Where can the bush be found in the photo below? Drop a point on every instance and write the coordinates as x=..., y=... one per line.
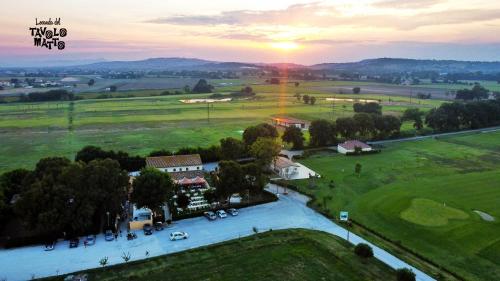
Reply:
x=405, y=274
x=363, y=250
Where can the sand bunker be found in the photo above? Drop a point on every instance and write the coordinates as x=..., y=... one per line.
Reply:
x=350, y=100
x=485, y=216
x=205, y=100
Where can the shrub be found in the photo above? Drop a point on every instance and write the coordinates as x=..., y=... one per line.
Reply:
x=405, y=274
x=363, y=250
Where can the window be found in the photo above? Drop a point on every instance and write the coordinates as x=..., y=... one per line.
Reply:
x=186, y=169
x=197, y=168
x=174, y=169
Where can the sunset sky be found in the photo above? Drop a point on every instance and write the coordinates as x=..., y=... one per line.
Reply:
x=304, y=32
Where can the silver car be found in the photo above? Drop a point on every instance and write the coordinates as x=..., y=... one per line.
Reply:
x=178, y=235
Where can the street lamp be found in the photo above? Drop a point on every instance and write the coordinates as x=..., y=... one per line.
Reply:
x=107, y=213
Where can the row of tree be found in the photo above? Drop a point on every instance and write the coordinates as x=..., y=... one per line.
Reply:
x=457, y=115
x=63, y=198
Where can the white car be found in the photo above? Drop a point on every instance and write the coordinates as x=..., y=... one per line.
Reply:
x=221, y=214
x=178, y=235
x=233, y=212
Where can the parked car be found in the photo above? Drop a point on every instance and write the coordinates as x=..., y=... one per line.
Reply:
x=210, y=215
x=158, y=226
x=221, y=214
x=233, y=212
x=148, y=229
x=108, y=235
x=178, y=235
x=50, y=246
x=89, y=240
x=73, y=243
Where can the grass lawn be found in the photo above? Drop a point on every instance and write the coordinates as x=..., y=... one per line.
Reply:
x=423, y=194
x=30, y=131
x=276, y=255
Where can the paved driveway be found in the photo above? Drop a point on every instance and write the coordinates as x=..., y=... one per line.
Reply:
x=289, y=212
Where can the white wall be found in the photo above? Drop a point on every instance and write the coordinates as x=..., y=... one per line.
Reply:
x=182, y=168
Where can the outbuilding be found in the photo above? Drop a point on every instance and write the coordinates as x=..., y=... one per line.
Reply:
x=351, y=145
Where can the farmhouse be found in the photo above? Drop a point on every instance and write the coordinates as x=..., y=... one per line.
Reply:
x=187, y=172
x=350, y=146
x=284, y=167
x=290, y=122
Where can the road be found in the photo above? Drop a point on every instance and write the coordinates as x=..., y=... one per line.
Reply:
x=483, y=130
x=290, y=211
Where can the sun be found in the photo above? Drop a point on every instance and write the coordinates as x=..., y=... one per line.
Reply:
x=285, y=45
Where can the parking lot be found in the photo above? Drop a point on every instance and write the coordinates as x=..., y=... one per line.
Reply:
x=288, y=212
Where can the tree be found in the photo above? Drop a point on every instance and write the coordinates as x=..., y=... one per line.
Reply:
x=182, y=200
x=255, y=180
x=112, y=88
x=297, y=96
x=229, y=179
x=371, y=107
x=356, y=90
x=477, y=92
x=363, y=250
x=109, y=182
x=91, y=82
x=161, y=152
x=357, y=169
x=305, y=98
x=210, y=195
x=386, y=125
x=265, y=150
x=202, y=87
x=247, y=90
x=187, y=89
x=231, y=149
x=263, y=130
x=364, y=124
x=415, y=115
x=297, y=83
x=312, y=100
x=294, y=135
x=346, y=126
x=151, y=189
x=13, y=182
x=322, y=132
x=405, y=274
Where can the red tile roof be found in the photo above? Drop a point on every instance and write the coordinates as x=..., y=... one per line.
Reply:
x=173, y=161
x=289, y=120
x=351, y=144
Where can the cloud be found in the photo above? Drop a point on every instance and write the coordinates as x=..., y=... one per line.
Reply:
x=293, y=15
x=407, y=4
x=318, y=15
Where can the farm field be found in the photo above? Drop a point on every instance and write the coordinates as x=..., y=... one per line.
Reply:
x=138, y=125
x=423, y=194
x=277, y=255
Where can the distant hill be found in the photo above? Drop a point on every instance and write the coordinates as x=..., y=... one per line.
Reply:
x=165, y=64
x=392, y=65
x=368, y=66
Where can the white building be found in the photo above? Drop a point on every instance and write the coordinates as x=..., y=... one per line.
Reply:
x=284, y=167
x=350, y=146
x=176, y=163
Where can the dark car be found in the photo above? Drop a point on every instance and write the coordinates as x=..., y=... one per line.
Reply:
x=50, y=246
x=148, y=229
x=108, y=235
x=73, y=243
x=158, y=226
x=210, y=215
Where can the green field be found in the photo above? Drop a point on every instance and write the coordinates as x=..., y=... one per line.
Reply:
x=30, y=131
x=423, y=194
x=277, y=255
